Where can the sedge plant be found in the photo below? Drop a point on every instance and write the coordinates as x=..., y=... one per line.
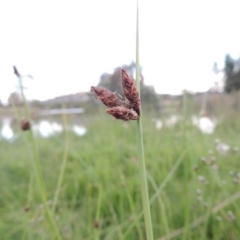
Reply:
x=131, y=111
x=142, y=164
x=34, y=157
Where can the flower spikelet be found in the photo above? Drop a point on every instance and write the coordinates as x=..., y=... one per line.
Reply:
x=123, y=113
x=130, y=91
x=118, y=108
x=107, y=97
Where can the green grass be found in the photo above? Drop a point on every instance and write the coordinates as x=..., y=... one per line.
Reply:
x=100, y=183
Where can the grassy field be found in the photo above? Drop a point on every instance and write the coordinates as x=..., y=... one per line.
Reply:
x=91, y=184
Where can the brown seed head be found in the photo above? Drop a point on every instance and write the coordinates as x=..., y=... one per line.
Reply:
x=130, y=92
x=117, y=108
x=107, y=97
x=26, y=209
x=123, y=113
x=25, y=125
x=96, y=224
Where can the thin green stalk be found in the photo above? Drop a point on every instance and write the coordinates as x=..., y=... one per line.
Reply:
x=158, y=191
x=89, y=210
x=142, y=165
x=34, y=157
x=202, y=218
x=29, y=200
x=63, y=165
x=133, y=209
x=116, y=221
x=161, y=204
x=26, y=107
x=97, y=217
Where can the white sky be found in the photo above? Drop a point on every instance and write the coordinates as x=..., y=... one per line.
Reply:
x=67, y=45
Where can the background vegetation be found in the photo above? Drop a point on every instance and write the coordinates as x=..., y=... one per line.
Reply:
x=193, y=185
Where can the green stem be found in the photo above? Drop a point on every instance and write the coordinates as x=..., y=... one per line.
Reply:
x=35, y=161
x=159, y=190
x=97, y=217
x=63, y=165
x=142, y=165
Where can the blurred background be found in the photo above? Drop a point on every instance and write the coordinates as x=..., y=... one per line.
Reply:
x=62, y=48
x=190, y=96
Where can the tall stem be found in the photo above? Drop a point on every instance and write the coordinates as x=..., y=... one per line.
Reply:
x=35, y=161
x=142, y=165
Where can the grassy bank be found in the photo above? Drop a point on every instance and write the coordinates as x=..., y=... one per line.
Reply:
x=100, y=196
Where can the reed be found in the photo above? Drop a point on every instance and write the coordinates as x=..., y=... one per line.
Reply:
x=32, y=149
x=141, y=154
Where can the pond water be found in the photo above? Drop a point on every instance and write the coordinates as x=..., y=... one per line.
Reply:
x=49, y=123
x=205, y=124
x=46, y=125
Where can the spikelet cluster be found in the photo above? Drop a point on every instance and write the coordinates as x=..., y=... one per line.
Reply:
x=116, y=107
